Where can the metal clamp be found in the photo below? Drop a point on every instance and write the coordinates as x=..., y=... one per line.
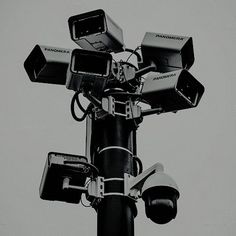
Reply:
x=108, y=105
x=132, y=111
x=97, y=187
x=127, y=109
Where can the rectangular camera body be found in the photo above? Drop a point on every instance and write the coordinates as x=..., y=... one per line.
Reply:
x=167, y=52
x=88, y=71
x=56, y=170
x=48, y=64
x=95, y=30
x=172, y=91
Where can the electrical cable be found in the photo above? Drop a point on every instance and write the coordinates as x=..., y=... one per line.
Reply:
x=134, y=52
x=78, y=102
x=140, y=164
x=75, y=98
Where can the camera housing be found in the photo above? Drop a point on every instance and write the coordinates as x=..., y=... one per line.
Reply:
x=168, y=52
x=46, y=64
x=172, y=91
x=160, y=194
x=95, y=30
x=58, y=167
x=82, y=76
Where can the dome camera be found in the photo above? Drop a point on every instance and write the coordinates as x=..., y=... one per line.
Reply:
x=160, y=194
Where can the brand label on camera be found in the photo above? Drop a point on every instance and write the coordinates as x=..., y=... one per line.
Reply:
x=169, y=37
x=56, y=50
x=165, y=76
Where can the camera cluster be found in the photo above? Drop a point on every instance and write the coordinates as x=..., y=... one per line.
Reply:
x=92, y=69
x=160, y=79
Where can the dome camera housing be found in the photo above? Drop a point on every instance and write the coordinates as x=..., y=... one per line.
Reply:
x=160, y=194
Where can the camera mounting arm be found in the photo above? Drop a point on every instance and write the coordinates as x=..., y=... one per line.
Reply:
x=133, y=185
x=66, y=186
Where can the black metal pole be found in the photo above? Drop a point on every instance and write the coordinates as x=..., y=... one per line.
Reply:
x=115, y=139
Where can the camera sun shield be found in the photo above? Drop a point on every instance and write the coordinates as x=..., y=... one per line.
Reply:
x=48, y=64
x=88, y=71
x=167, y=52
x=95, y=30
x=172, y=91
x=58, y=167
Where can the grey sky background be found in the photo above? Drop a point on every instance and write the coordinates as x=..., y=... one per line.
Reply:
x=196, y=146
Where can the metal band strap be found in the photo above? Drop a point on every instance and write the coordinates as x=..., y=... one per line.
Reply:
x=113, y=179
x=115, y=147
x=113, y=193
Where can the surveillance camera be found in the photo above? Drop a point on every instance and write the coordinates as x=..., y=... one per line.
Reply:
x=172, y=91
x=58, y=167
x=160, y=194
x=88, y=71
x=95, y=30
x=167, y=52
x=48, y=64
